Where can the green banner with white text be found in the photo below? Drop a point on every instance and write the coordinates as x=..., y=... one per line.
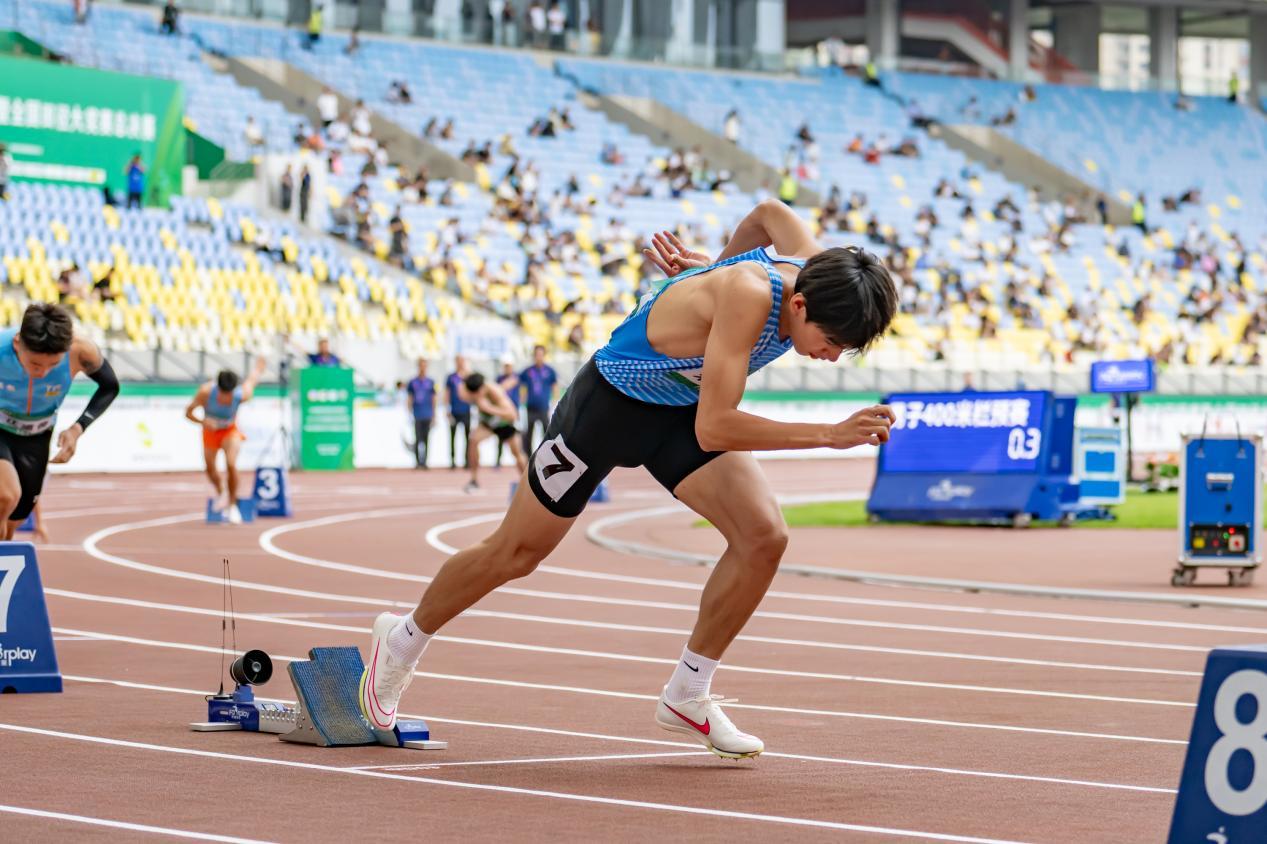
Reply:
x=324, y=406
x=72, y=125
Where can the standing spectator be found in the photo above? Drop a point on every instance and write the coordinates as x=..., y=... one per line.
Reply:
x=1139, y=214
x=1233, y=88
x=593, y=37
x=305, y=193
x=537, y=24
x=730, y=128
x=539, y=382
x=81, y=10
x=509, y=382
x=422, y=400
x=497, y=17
x=327, y=107
x=398, y=252
x=136, y=181
x=360, y=119
x=314, y=24
x=459, y=411
x=170, y=24
x=323, y=356
x=287, y=190
x=788, y=188
x=1102, y=208
x=252, y=133
x=354, y=42
x=5, y=162
x=557, y=21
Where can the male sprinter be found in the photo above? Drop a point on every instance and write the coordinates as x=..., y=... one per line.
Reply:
x=664, y=393
x=38, y=361
x=220, y=400
x=497, y=418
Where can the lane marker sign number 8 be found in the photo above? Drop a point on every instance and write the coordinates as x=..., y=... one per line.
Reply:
x=1237, y=735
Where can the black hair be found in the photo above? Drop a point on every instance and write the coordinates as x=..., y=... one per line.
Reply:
x=474, y=381
x=227, y=380
x=538, y=346
x=47, y=329
x=849, y=294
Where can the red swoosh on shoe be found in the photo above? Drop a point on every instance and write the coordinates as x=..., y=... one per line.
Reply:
x=703, y=728
x=374, y=695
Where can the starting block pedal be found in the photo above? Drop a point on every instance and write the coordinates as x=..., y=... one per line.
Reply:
x=217, y=516
x=327, y=712
x=28, y=524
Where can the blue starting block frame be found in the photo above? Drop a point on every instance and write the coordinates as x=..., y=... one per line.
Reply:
x=327, y=712
x=1223, y=789
x=28, y=660
x=28, y=524
x=272, y=493
x=246, y=506
x=1220, y=507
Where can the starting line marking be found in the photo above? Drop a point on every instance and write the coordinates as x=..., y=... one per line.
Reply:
x=541, y=760
x=506, y=789
x=128, y=684
x=833, y=713
x=131, y=827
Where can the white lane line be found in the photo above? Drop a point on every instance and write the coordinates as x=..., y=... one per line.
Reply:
x=434, y=534
x=503, y=789
x=130, y=827
x=538, y=761
x=91, y=546
x=519, y=684
x=607, y=737
x=593, y=654
x=267, y=543
x=594, y=532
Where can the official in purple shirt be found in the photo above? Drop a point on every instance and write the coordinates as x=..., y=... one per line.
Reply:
x=422, y=400
x=538, y=383
x=459, y=411
x=323, y=356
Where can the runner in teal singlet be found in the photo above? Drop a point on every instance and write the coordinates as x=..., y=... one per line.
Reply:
x=38, y=361
x=664, y=394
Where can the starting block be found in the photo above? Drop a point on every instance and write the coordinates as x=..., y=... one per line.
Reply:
x=28, y=525
x=216, y=516
x=1223, y=789
x=327, y=712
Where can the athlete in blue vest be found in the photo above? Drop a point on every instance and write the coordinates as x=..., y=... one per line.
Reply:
x=664, y=393
x=38, y=360
x=220, y=400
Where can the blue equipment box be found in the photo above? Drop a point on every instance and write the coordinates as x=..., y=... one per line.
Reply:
x=1220, y=506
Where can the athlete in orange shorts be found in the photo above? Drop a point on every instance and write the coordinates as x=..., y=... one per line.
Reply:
x=220, y=400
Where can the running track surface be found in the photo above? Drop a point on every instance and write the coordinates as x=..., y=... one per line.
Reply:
x=888, y=713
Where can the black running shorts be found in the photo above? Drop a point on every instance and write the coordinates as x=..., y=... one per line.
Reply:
x=596, y=428
x=29, y=455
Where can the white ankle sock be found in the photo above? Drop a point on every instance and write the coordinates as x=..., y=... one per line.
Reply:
x=406, y=642
x=692, y=678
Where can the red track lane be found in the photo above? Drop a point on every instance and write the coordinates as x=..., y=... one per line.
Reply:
x=888, y=713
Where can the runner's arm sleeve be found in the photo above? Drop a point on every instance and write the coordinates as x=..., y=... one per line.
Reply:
x=107, y=390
